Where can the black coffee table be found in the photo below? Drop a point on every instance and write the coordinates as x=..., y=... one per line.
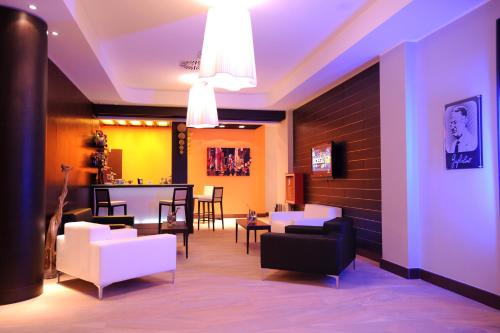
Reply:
x=257, y=225
x=179, y=227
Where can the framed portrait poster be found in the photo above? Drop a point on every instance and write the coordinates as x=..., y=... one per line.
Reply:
x=463, y=136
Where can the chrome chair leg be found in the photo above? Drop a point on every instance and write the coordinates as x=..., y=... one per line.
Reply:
x=173, y=276
x=100, y=291
x=337, y=280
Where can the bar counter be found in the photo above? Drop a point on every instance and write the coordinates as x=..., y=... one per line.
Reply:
x=143, y=201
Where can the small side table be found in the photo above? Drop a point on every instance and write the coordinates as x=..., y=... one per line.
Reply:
x=257, y=225
x=179, y=227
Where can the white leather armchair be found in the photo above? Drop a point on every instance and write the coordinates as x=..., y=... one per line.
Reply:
x=94, y=253
x=312, y=215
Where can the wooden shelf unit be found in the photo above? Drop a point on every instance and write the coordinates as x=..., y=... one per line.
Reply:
x=294, y=188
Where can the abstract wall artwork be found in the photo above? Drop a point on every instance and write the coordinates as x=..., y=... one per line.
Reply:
x=228, y=161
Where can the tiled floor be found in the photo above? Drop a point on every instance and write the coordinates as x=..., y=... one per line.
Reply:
x=221, y=289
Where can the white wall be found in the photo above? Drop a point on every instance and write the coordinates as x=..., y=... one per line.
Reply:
x=455, y=211
x=277, y=162
x=399, y=179
x=460, y=222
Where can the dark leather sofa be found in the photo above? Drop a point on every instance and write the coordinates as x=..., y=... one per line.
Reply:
x=324, y=250
x=85, y=214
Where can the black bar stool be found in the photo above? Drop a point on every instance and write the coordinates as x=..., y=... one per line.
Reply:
x=179, y=198
x=102, y=200
x=210, y=203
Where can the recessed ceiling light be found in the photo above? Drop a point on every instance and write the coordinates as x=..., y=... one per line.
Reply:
x=55, y=33
x=222, y=126
x=149, y=123
x=241, y=126
x=135, y=122
x=162, y=123
x=122, y=122
x=32, y=7
x=108, y=121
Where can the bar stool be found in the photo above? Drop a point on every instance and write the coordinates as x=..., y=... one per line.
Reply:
x=102, y=200
x=210, y=202
x=208, y=190
x=207, y=194
x=179, y=198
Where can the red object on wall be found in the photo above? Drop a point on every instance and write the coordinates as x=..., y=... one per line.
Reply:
x=294, y=188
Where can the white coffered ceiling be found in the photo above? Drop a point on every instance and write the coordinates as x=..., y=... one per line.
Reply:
x=128, y=51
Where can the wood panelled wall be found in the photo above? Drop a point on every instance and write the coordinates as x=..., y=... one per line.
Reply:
x=70, y=125
x=348, y=114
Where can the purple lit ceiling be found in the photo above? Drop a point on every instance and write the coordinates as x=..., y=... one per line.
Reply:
x=128, y=51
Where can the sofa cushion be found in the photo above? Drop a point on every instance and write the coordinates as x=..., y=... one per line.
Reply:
x=321, y=211
x=313, y=215
x=304, y=230
x=338, y=225
x=315, y=221
x=86, y=232
x=123, y=233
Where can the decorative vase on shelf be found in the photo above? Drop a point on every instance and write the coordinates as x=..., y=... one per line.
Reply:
x=98, y=159
x=100, y=139
x=107, y=175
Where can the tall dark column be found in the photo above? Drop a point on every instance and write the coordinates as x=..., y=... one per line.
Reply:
x=180, y=166
x=179, y=153
x=23, y=76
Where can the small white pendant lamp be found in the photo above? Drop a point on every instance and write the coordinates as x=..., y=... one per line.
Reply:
x=227, y=57
x=202, y=109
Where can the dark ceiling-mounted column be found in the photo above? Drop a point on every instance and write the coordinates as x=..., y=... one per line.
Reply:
x=23, y=77
x=180, y=165
x=179, y=153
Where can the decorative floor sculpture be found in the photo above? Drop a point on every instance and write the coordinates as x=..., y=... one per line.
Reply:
x=50, y=271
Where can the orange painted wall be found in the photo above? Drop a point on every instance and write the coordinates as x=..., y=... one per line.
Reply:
x=240, y=192
x=147, y=151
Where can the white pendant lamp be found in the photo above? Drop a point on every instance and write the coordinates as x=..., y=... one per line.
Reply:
x=202, y=110
x=227, y=57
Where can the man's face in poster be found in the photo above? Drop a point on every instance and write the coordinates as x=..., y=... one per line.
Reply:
x=458, y=120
